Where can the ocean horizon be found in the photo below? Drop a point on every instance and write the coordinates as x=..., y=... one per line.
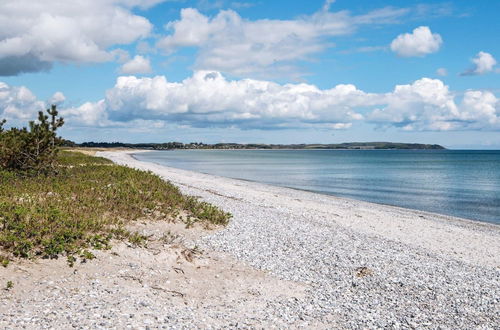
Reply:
x=460, y=183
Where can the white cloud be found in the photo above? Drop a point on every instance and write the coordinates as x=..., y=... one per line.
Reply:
x=418, y=43
x=143, y=47
x=263, y=48
x=34, y=34
x=137, y=65
x=57, y=99
x=121, y=55
x=88, y=114
x=442, y=72
x=428, y=104
x=14, y=65
x=425, y=104
x=483, y=63
x=481, y=106
x=18, y=103
x=208, y=99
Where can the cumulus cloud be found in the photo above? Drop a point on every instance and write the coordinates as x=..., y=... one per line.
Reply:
x=13, y=65
x=208, y=99
x=482, y=107
x=231, y=44
x=425, y=104
x=18, y=103
x=483, y=63
x=88, y=114
x=57, y=99
x=35, y=34
x=428, y=104
x=137, y=65
x=418, y=43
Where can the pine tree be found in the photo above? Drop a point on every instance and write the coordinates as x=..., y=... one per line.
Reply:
x=32, y=150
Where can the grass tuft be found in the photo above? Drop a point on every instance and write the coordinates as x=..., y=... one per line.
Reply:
x=86, y=205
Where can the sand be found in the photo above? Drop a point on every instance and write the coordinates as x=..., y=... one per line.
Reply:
x=288, y=258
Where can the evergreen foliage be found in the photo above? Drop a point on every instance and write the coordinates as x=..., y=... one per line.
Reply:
x=33, y=149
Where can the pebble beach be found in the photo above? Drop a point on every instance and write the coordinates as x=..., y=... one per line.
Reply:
x=367, y=265
x=288, y=259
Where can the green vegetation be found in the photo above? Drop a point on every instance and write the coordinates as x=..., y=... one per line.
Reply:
x=54, y=203
x=31, y=150
x=4, y=261
x=85, y=205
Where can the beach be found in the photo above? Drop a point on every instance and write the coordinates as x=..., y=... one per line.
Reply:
x=424, y=269
x=210, y=164
x=288, y=258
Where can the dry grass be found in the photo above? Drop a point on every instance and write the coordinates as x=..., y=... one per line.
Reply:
x=89, y=202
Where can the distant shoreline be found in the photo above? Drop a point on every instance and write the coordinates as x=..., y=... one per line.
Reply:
x=409, y=179
x=262, y=146
x=284, y=149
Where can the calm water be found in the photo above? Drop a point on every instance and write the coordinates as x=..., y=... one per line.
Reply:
x=463, y=183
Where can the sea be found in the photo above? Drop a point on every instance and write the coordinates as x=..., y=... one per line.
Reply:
x=461, y=183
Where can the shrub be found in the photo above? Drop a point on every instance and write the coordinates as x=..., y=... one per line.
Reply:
x=85, y=205
x=32, y=149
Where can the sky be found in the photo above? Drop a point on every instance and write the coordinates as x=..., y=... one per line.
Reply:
x=256, y=71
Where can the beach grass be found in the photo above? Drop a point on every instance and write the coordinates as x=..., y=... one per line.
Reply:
x=87, y=204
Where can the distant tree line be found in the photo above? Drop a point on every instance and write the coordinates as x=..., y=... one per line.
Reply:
x=200, y=145
x=33, y=149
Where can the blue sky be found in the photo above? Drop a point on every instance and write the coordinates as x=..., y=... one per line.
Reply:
x=256, y=71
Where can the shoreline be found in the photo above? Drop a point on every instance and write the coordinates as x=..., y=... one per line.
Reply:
x=423, y=212
x=363, y=264
x=402, y=228
x=409, y=202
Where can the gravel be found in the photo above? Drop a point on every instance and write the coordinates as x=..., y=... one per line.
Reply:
x=403, y=287
x=360, y=265
x=295, y=236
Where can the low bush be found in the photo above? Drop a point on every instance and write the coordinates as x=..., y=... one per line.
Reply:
x=85, y=205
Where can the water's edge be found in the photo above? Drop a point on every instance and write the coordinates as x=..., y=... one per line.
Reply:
x=461, y=221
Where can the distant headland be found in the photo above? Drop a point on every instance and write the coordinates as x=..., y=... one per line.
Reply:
x=200, y=145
